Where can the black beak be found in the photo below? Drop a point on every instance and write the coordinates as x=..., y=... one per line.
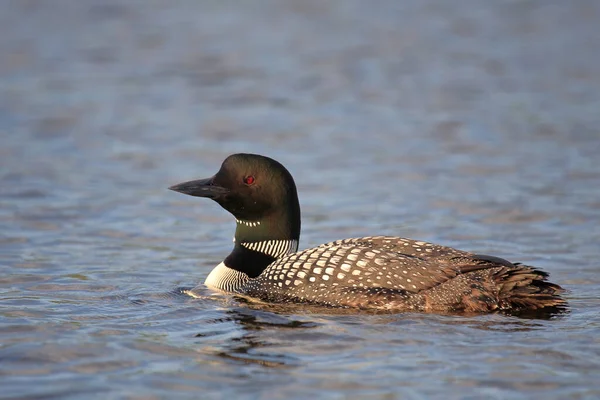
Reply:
x=201, y=188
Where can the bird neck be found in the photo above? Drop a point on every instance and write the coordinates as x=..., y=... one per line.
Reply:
x=259, y=243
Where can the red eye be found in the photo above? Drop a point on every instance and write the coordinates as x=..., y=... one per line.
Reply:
x=249, y=180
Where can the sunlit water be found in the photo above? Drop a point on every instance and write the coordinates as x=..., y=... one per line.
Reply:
x=470, y=124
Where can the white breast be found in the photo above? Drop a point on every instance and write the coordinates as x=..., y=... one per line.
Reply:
x=224, y=278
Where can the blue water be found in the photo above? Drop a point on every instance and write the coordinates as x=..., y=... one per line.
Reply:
x=470, y=124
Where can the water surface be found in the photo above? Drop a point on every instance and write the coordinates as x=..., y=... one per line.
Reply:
x=470, y=124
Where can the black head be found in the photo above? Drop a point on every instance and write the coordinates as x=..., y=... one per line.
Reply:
x=253, y=188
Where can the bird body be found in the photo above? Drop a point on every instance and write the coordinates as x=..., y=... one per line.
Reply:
x=369, y=273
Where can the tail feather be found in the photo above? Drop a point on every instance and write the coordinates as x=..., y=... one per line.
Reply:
x=526, y=288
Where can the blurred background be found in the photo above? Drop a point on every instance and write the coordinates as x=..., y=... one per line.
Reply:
x=467, y=123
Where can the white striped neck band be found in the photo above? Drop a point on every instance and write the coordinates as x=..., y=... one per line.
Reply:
x=274, y=248
x=248, y=223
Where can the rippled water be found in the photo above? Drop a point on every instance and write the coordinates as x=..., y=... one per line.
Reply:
x=470, y=124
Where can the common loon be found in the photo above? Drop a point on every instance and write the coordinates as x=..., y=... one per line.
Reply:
x=369, y=273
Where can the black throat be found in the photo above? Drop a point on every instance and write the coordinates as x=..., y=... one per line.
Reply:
x=248, y=261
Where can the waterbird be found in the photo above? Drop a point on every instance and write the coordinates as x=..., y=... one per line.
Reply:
x=367, y=273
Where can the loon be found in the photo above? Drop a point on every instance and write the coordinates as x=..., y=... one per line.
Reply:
x=368, y=273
